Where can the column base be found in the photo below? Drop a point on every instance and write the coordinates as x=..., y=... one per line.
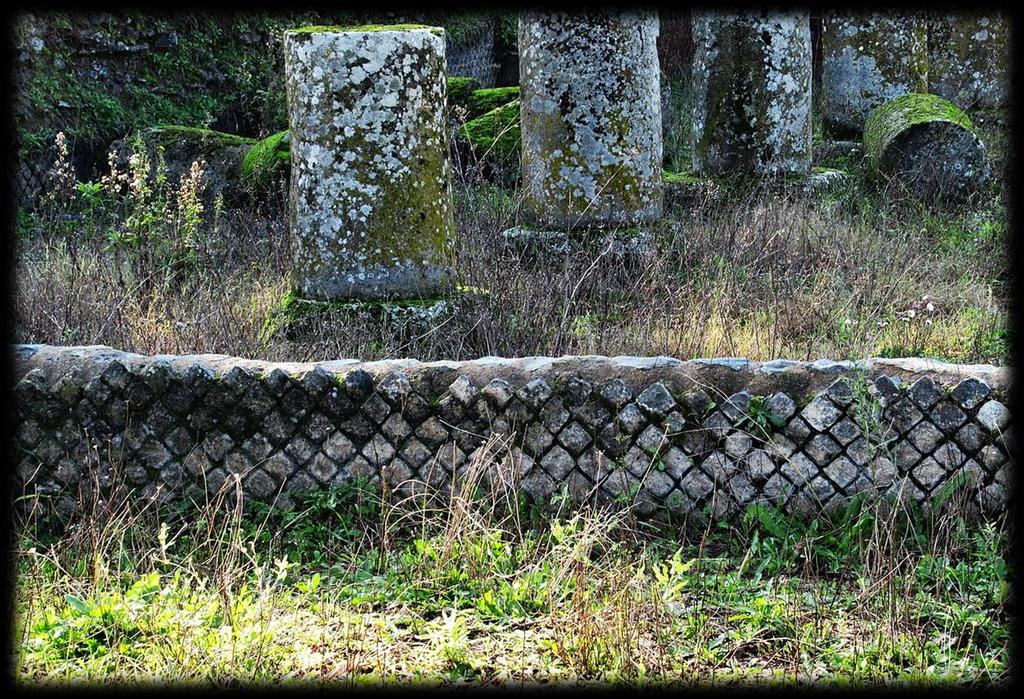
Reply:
x=623, y=244
x=683, y=190
x=821, y=180
x=295, y=316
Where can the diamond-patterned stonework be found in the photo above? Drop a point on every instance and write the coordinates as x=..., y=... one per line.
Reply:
x=700, y=436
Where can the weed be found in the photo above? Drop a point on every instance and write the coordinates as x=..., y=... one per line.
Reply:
x=463, y=585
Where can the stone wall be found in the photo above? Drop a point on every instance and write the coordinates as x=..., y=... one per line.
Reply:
x=473, y=55
x=97, y=76
x=695, y=437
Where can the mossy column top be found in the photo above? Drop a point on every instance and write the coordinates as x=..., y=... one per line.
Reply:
x=867, y=60
x=751, y=93
x=928, y=147
x=371, y=212
x=969, y=58
x=590, y=118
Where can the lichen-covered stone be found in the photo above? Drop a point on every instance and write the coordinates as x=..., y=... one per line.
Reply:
x=751, y=93
x=928, y=147
x=591, y=117
x=969, y=58
x=868, y=59
x=371, y=212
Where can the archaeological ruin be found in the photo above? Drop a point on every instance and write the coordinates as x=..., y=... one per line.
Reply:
x=371, y=179
x=868, y=60
x=969, y=58
x=371, y=218
x=591, y=118
x=751, y=93
x=668, y=436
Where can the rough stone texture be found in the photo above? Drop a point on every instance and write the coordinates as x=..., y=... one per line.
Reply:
x=751, y=93
x=473, y=55
x=371, y=213
x=926, y=146
x=614, y=429
x=867, y=60
x=590, y=117
x=838, y=152
x=629, y=245
x=969, y=58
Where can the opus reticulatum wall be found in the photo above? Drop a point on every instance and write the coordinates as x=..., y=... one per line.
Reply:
x=705, y=437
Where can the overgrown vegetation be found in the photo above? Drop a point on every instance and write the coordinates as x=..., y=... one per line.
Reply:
x=98, y=77
x=753, y=271
x=356, y=587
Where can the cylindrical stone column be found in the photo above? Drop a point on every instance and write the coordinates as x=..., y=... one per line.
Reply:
x=371, y=213
x=590, y=109
x=867, y=60
x=927, y=146
x=969, y=58
x=751, y=93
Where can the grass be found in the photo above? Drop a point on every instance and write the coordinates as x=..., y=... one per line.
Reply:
x=354, y=587
x=754, y=272
x=471, y=585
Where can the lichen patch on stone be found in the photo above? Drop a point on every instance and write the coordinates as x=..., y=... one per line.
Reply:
x=591, y=117
x=371, y=208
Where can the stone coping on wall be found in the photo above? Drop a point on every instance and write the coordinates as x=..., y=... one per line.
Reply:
x=701, y=437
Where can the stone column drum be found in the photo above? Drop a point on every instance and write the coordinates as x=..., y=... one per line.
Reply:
x=928, y=146
x=591, y=118
x=969, y=58
x=371, y=212
x=867, y=60
x=751, y=93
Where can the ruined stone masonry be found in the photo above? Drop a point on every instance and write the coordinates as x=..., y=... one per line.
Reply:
x=371, y=212
x=867, y=60
x=690, y=437
x=751, y=93
x=969, y=58
x=590, y=114
x=926, y=146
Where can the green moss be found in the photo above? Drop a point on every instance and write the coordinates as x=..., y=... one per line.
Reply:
x=461, y=89
x=898, y=115
x=166, y=133
x=680, y=178
x=483, y=101
x=495, y=132
x=266, y=160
